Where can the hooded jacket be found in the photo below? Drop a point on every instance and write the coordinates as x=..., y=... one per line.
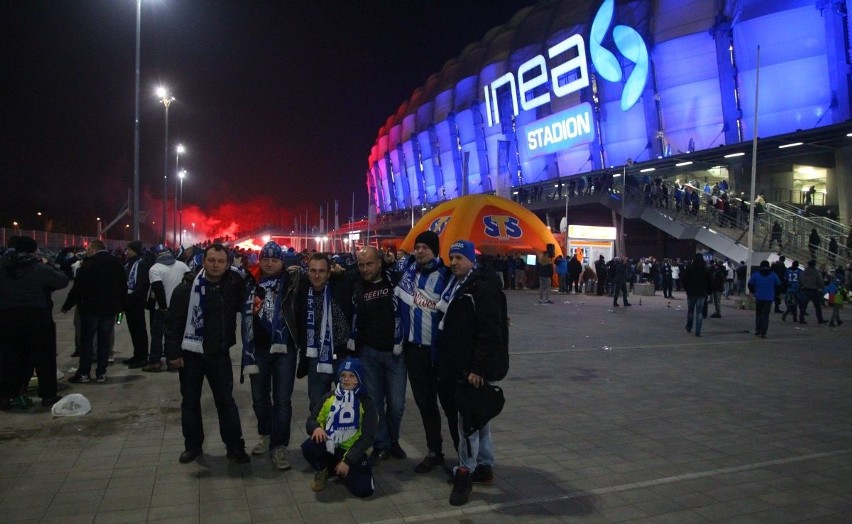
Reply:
x=764, y=284
x=26, y=283
x=99, y=287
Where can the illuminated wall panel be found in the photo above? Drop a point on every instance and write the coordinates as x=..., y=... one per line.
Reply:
x=428, y=168
x=449, y=156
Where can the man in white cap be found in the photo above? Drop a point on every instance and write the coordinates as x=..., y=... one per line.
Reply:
x=164, y=275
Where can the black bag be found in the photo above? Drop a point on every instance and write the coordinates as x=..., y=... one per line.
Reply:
x=478, y=405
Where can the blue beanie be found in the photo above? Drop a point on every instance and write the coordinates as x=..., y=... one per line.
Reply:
x=353, y=365
x=464, y=248
x=272, y=250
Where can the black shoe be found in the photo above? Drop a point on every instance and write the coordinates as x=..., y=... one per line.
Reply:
x=482, y=475
x=461, y=488
x=136, y=364
x=778, y=310
x=823, y=322
x=377, y=456
x=615, y=305
x=79, y=378
x=239, y=456
x=189, y=455
x=784, y=317
x=76, y=353
x=802, y=322
x=128, y=361
x=50, y=401
x=628, y=304
x=397, y=452
x=715, y=315
x=429, y=463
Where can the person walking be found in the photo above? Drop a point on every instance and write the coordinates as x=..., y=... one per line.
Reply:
x=544, y=270
x=200, y=330
x=600, y=271
x=474, y=354
x=270, y=349
x=696, y=279
x=813, y=243
x=811, y=285
x=619, y=279
x=765, y=285
x=27, y=329
x=98, y=292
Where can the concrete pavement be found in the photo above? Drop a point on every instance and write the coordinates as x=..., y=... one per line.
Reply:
x=612, y=415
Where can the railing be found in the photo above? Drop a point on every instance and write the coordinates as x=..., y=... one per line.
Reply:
x=56, y=241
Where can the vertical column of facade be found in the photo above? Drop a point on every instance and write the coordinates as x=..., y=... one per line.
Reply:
x=731, y=112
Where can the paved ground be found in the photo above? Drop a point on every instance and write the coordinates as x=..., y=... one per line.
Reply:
x=611, y=416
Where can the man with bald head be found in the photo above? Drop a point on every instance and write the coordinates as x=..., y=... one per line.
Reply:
x=377, y=337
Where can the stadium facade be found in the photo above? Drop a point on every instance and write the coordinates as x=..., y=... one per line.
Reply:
x=568, y=87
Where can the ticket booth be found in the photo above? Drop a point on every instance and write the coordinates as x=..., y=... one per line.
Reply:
x=589, y=242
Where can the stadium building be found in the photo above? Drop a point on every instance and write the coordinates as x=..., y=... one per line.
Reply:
x=673, y=89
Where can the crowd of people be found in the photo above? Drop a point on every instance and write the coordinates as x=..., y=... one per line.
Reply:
x=358, y=327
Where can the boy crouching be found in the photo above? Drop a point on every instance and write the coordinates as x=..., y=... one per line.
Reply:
x=342, y=427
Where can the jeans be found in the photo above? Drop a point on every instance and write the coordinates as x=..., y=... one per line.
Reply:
x=386, y=381
x=220, y=375
x=717, y=302
x=762, y=309
x=619, y=287
x=158, y=330
x=90, y=325
x=544, y=289
x=814, y=296
x=476, y=448
x=427, y=390
x=271, y=394
x=319, y=383
x=695, y=310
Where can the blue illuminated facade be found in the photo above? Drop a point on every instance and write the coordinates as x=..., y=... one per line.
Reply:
x=571, y=86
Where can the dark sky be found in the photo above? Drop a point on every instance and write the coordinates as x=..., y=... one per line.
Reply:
x=277, y=103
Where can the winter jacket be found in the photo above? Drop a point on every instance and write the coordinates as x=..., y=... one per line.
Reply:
x=99, y=287
x=764, y=284
x=26, y=283
x=696, y=280
x=475, y=333
x=356, y=447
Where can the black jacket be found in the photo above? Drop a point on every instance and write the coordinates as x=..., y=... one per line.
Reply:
x=696, y=280
x=26, y=283
x=139, y=296
x=99, y=287
x=475, y=336
x=233, y=296
x=341, y=293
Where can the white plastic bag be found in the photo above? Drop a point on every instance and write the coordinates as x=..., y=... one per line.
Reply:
x=72, y=406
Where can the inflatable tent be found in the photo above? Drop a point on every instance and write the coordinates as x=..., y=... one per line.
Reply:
x=494, y=224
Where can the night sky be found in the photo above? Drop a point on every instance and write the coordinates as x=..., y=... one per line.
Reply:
x=277, y=103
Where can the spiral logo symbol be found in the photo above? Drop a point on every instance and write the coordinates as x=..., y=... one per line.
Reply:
x=631, y=46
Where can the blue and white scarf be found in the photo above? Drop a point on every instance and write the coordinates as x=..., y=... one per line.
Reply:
x=344, y=417
x=131, y=276
x=320, y=341
x=193, y=331
x=449, y=295
x=269, y=313
x=407, y=287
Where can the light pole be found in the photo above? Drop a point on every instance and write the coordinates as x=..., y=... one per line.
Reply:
x=135, y=211
x=180, y=151
x=166, y=100
x=181, y=176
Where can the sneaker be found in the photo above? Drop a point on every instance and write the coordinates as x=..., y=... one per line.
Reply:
x=111, y=357
x=152, y=368
x=262, y=446
x=320, y=477
x=22, y=402
x=482, y=475
x=239, y=456
x=79, y=379
x=461, y=488
x=397, y=452
x=100, y=377
x=432, y=461
x=189, y=455
x=280, y=457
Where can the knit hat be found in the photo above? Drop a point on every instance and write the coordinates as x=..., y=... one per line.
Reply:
x=353, y=365
x=24, y=244
x=272, y=250
x=429, y=238
x=464, y=248
x=164, y=255
x=136, y=246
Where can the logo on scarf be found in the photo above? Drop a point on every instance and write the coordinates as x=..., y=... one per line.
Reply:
x=502, y=226
x=439, y=224
x=197, y=318
x=631, y=46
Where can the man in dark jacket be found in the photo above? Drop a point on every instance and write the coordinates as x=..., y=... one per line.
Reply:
x=696, y=280
x=135, y=300
x=575, y=268
x=600, y=271
x=811, y=285
x=98, y=292
x=619, y=279
x=27, y=330
x=474, y=350
x=200, y=330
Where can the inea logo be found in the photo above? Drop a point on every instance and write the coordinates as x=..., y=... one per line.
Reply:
x=632, y=47
x=439, y=224
x=502, y=226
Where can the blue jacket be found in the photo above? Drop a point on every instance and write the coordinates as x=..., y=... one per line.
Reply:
x=764, y=284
